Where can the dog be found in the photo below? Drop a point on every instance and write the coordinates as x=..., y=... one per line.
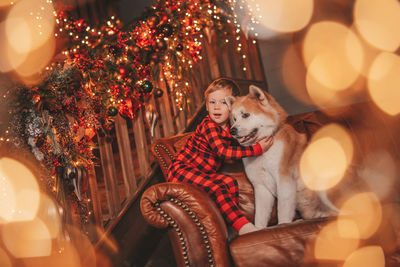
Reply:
x=275, y=173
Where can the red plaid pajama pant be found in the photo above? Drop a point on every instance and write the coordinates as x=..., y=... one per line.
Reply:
x=223, y=189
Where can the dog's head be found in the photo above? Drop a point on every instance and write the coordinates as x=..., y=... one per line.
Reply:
x=254, y=116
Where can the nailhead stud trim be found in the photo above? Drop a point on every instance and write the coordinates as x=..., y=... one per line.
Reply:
x=200, y=226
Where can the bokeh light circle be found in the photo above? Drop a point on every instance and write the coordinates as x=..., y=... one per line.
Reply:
x=330, y=245
x=377, y=21
x=384, y=82
x=22, y=195
x=333, y=54
x=365, y=210
x=27, y=239
x=30, y=24
x=282, y=15
x=371, y=256
x=326, y=158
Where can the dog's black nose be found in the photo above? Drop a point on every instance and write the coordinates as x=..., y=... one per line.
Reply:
x=233, y=131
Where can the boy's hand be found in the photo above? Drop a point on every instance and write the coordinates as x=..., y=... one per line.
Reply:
x=266, y=143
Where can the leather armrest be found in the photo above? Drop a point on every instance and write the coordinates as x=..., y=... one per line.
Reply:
x=165, y=148
x=197, y=230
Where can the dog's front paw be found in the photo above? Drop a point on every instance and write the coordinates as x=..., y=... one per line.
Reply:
x=260, y=227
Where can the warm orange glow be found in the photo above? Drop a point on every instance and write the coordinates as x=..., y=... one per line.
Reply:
x=370, y=52
x=318, y=171
x=85, y=249
x=294, y=74
x=108, y=241
x=30, y=24
x=27, y=239
x=371, y=256
x=377, y=21
x=366, y=212
x=4, y=259
x=326, y=158
x=379, y=171
x=333, y=54
x=384, y=82
x=20, y=37
x=283, y=15
x=348, y=228
x=320, y=95
x=7, y=199
x=10, y=58
x=49, y=213
x=63, y=255
x=21, y=196
x=330, y=245
x=37, y=59
x=6, y=3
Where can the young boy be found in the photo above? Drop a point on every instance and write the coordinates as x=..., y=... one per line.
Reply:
x=201, y=157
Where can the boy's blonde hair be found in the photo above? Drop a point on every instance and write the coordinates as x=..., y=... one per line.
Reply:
x=222, y=83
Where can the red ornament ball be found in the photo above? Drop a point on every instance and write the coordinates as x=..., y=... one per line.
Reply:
x=158, y=93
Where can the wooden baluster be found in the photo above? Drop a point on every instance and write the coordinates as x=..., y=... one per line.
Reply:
x=236, y=58
x=196, y=86
x=95, y=13
x=110, y=178
x=142, y=151
x=205, y=71
x=83, y=11
x=246, y=61
x=226, y=61
x=177, y=118
x=258, y=71
x=94, y=198
x=212, y=55
x=165, y=109
x=125, y=154
x=157, y=131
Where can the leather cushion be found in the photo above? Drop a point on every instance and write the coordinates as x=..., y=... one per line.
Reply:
x=281, y=245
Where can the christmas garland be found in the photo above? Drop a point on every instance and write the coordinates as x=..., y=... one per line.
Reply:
x=105, y=72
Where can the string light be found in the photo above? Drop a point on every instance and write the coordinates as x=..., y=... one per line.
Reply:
x=183, y=46
x=249, y=29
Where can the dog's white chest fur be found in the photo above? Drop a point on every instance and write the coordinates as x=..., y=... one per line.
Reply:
x=264, y=169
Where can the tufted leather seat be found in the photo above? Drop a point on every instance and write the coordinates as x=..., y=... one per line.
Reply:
x=198, y=234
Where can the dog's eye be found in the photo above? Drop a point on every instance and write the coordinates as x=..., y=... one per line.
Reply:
x=234, y=119
x=245, y=115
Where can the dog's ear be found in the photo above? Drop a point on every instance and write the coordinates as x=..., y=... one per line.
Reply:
x=256, y=92
x=229, y=101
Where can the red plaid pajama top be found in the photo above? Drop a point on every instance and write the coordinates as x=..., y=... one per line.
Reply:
x=200, y=159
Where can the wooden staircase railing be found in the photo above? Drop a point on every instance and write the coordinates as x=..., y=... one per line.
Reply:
x=125, y=160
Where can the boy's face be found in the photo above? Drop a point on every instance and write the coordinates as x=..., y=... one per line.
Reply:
x=217, y=107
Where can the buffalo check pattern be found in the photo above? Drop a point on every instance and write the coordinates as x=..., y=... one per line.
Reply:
x=200, y=159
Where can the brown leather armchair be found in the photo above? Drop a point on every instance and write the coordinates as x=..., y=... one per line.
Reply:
x=199, y=235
